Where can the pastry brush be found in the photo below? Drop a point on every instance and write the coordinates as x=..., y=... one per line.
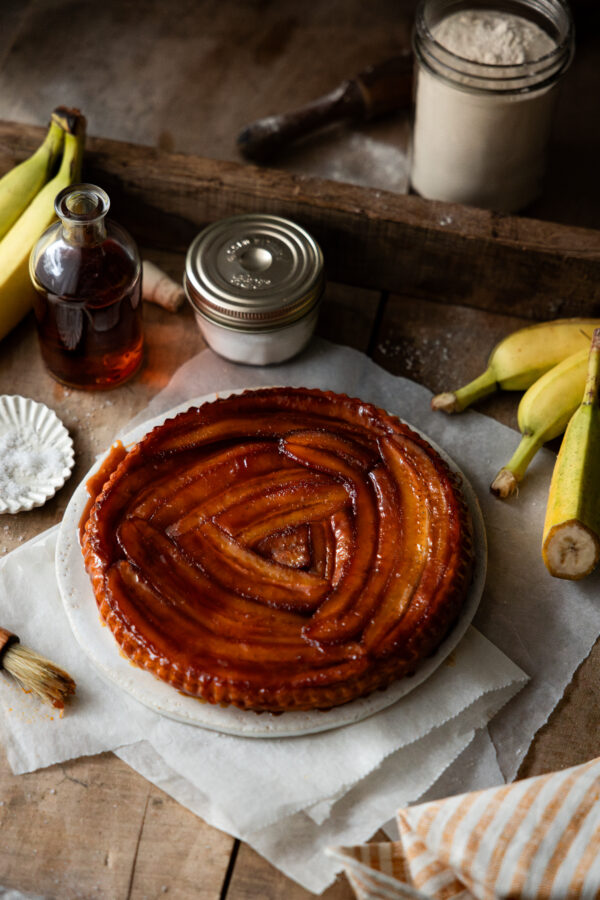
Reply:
x=33, y=672
x=380, y=89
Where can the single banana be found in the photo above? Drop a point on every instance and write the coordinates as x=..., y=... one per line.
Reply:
x=544, y=412
x=19, y=186
x=16, y=290
x=571, y=540
x=520, y=359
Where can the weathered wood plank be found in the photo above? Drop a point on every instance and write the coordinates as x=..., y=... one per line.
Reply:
x=374, y=239
x=95, y=828
x=253, y=877
x=348, y=316
x=443, y=347
x=378, y=240
x=256, y=879
x=190, y=75
x=572, y=733
x=178, y=855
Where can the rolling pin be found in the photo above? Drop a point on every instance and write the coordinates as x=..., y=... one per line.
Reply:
x=378, y=90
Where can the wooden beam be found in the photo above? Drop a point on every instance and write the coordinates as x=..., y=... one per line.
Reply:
x=375, y=239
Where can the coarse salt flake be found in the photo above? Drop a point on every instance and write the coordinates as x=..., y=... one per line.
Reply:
x=27, y=462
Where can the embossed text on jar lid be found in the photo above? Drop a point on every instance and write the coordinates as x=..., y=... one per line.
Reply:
x=254, y=272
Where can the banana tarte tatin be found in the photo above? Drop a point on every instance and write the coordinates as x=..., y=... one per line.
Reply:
x=280, y=549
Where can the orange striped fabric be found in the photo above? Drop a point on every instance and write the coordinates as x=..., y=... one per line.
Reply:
x=536, y=839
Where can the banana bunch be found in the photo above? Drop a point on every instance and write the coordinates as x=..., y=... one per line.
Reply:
x=549, y=362
x=571, y=539
x=544, y=413
x=552, y=362
x=27, y=208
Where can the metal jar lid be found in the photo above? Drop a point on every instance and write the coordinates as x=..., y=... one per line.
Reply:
x=254, y=272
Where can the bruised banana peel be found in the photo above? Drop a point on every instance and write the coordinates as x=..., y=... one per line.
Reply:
x=571, y=539
x=544, y=413
x=520, y=359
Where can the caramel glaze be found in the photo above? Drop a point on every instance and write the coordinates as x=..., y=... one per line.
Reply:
x=282, y=549
x=96, y=482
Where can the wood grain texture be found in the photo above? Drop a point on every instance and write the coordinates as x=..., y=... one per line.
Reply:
x=253, y=877
x=572, y=733
x=95, y=828
x=190, y=75
x=178, y=855
x=378, y=240
x=444, y=347
x=373, y=239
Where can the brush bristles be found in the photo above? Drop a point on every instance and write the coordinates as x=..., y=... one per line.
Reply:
x=38, y=675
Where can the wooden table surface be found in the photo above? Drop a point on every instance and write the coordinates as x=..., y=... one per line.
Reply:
x=93, y=827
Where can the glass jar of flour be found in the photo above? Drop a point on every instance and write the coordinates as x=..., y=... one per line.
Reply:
x=486, y=80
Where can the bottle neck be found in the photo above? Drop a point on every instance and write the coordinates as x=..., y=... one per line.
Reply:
x=87, y=234
x=82, y=210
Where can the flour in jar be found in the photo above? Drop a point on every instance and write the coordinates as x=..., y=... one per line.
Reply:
x=483, y=117
x=493, y=38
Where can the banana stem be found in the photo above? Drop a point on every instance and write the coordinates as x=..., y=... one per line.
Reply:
x=53, y=144
x=69, y=119
x=481, y=386
x=72, y=156
x=590, y=394
x=72, y=124
x=456, y=401
x=505, y=484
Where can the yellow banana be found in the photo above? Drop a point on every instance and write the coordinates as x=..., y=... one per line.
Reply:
x=19, y=186
x=520, y=359
x=544, y=412
x=571, y=540
x=16, y=289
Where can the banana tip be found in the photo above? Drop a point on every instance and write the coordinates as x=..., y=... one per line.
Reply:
x=504, y=484
x=445, y=402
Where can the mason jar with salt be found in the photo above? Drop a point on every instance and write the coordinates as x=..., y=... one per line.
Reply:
x=486, y=84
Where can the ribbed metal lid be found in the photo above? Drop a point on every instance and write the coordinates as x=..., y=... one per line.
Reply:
x=254, y=272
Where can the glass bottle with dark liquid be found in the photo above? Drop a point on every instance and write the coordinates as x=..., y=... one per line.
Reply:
x=88, y=309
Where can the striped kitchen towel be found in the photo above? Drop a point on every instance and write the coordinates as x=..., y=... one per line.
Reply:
x=536, y=839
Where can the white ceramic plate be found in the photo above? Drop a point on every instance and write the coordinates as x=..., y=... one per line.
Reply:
x=101, y=648
x=39, y=453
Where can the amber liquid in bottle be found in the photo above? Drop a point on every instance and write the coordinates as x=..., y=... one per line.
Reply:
x=88, y=305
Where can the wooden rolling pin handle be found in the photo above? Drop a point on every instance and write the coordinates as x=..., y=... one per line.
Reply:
x=378, y=90
x=265, y=138
x=7, y=639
